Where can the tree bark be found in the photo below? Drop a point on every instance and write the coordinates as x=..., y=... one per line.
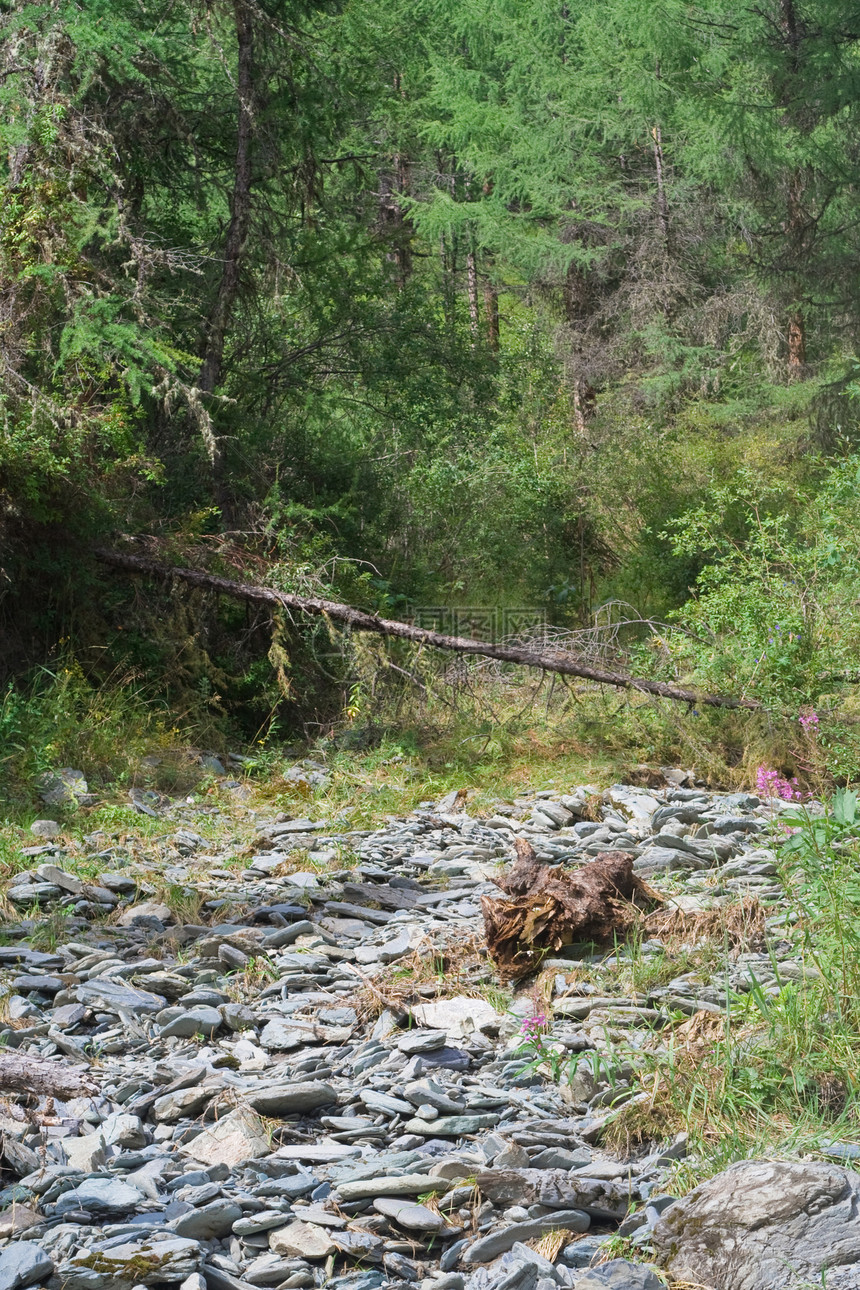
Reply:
x=472, y=280
x=395, y=227
x=662, y=203
x=240, y=212
x=547, y=660
x=796, y=344
x=20, y=1074
x=491, y=309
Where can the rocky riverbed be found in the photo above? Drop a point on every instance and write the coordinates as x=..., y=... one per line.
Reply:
x=322, y=1081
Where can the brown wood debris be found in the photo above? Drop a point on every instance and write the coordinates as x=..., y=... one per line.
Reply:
x=545, y=908
x=22, y=1074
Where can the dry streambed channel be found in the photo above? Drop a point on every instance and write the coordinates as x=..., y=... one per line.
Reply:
x=330, y=1086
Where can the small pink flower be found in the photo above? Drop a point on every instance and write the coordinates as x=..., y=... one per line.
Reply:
x=770, y=784
x=809, y=720
x=534, y=1026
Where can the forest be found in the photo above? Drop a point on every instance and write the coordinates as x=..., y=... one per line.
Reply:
x=535, y=305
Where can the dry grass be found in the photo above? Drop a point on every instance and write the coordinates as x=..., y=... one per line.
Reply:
x=552, y=1243
x=739, y=926
x=449, y=966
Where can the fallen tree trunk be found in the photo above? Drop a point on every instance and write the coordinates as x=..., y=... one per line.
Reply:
x=546, y=660
x=20, y=1074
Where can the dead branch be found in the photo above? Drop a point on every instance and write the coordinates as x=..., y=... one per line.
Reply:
x=20, y=1074
x=547, y=660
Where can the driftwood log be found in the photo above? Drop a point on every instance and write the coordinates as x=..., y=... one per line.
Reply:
x=545, y=908
x=20, y=1074
x=548, y=660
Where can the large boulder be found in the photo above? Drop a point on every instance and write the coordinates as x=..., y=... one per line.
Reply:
x=766, y=1225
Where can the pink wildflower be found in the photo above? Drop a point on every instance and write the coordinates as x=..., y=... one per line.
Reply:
x=534, y=1026
x=770, y=784
x=809, y=720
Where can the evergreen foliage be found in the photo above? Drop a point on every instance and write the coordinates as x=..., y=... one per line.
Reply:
x=513, y=302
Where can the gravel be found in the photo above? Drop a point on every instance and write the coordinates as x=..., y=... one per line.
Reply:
x=270, y=1113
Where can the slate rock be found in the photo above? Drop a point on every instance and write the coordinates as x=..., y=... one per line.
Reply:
x=64, y=787
x=38, y=984
x=240, y=1136
x=291, y=1099
x=619, y=1274
x=121, y=1267
x=303, y=1240
x=208, y=1222
x=452, y=1126
x=100, y=1196
x=459, y=1017
x=421, y=1041
x=489, y=1247
x=415, y=1218
x=185, y=1101
x=280, y=1037
x=24, y=1263
x=581, y=1254
x=764, y=1225
x=199, y=1020
x=557, y=1189
x=389, y=1185
x=45, y=828
x=86, y=1153
x=113, y=996
x=145, y=912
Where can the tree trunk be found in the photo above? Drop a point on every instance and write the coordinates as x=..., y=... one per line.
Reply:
x=662, y=203
x=240, y=215
x=472, y=280
x=796, y=344
x=797, y=224
x=547, y=660
x=491, y=309
x=394, y=224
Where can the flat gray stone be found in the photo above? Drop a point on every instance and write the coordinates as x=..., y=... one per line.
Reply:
x=281, y=1037
x=459, y=1017
x=24, y=1263
x=451, y=1126
x=294, y=1099
x=422, y=1041
x=101, y=1196
x=64, y=787
x=208, y=1222
x=294, y=826
x=396, y=1185
x=619, y=1274
x=199, y=1020
x=144, y=911
x=113, y=996
x=302, y=1240
x=557, y=1189
x=487, y=1248
x=415, y=1218
x=185, y=1102
x=45, y=828
x=384, y=1104
x=240, y=1136
x=121, y=1267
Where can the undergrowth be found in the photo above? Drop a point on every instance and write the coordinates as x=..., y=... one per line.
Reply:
x=777, y=1072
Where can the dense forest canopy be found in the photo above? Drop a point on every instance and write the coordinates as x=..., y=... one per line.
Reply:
x=502, y=302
